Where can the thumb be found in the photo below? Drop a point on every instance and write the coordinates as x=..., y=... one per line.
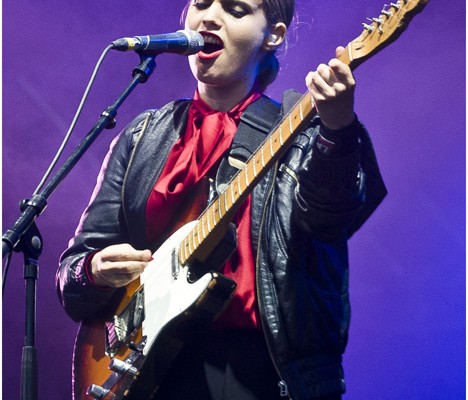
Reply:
x=147, y=255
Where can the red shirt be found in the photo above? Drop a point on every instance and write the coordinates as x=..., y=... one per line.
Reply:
x=208, y=136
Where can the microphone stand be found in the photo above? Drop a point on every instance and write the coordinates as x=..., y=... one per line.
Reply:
x=25, y=237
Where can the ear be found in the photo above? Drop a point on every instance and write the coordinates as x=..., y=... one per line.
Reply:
x=275, y=36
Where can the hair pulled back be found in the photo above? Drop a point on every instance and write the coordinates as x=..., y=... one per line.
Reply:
x=275, y=11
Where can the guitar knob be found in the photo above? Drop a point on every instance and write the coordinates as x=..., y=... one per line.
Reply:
x=121, y=367
x=98, y=392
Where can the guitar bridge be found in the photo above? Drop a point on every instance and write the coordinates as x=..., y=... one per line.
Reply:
x=121, y=328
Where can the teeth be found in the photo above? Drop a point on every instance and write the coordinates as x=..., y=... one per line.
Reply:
x=213, y=40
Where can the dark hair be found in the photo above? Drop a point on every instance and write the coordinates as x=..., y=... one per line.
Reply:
x=275, y=11
x=279, y=11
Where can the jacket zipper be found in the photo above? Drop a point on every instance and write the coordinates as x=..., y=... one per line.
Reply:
x=285, y=169
x=283, y=387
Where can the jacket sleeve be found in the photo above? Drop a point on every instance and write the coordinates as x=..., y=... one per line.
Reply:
x=102, y=224
x=337, y=189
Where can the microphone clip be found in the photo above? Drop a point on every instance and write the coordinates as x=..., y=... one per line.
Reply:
x=145, y=68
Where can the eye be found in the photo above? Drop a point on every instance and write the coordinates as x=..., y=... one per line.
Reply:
x=200, y=5
x=237, y=9
x=237, y=12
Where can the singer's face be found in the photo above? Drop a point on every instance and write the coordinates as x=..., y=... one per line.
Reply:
x=234, y=33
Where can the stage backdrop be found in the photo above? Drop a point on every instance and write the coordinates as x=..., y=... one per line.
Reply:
x=407, y=338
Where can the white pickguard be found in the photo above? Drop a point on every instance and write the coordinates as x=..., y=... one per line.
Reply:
x=165, y=296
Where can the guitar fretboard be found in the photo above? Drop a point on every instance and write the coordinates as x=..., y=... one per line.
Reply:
x=377, y=34
x=220, y=212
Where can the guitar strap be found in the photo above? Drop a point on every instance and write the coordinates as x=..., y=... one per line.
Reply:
x=254, y=126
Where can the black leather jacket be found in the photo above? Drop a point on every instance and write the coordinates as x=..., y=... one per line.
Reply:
x=303, y=212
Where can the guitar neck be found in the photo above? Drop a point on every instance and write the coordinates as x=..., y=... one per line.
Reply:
x=213, y=222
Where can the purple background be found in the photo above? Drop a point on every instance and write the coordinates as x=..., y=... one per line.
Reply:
x=407, y=338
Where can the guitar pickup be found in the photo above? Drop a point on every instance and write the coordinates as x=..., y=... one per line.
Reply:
x=123, y=325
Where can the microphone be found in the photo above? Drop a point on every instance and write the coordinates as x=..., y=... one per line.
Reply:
x=183, y=42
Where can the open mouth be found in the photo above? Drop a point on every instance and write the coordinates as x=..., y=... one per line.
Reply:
x=213, y=44
x=210, y=48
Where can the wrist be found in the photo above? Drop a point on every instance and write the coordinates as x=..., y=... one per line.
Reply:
x=92, y=278
x=338, y=143
x=342, y=125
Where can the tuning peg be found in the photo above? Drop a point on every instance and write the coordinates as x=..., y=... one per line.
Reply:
x=368, y=27
x=396, y=5
x=377, y=21
x=386, y=12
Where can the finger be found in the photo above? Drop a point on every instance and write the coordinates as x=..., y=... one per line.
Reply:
x=341, y=72
x=124, y=252
x=319, y=87
x=333, y=83
x=122, y=267
x=119, y=274
x=327, y=74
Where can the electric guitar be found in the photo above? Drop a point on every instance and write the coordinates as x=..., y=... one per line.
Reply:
x=126, y=352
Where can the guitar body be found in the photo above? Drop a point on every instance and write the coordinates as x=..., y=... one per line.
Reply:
x=154, y=318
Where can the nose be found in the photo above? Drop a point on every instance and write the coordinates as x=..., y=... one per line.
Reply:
x=212, y=17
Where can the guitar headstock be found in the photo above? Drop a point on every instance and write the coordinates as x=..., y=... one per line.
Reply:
x=382, y=30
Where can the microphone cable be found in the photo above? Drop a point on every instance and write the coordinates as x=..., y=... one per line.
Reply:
x=75, y=119
x=62, y=146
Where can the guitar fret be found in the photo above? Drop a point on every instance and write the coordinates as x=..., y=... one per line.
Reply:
x=281, y=134
x=219, y=208
x=246, y=173
x=193, y=234
x=182, y=252
x=214, y=216
x=193, y=240
x=233, y=200
x=208, y=222
x=263, y=160
x=199, y=233
x=254, y=168
x=188, y=242
x=271, y=147
x=300, y=110
x=291, y=130
x=239, y=188
x=203, y=228
x=225, y=203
